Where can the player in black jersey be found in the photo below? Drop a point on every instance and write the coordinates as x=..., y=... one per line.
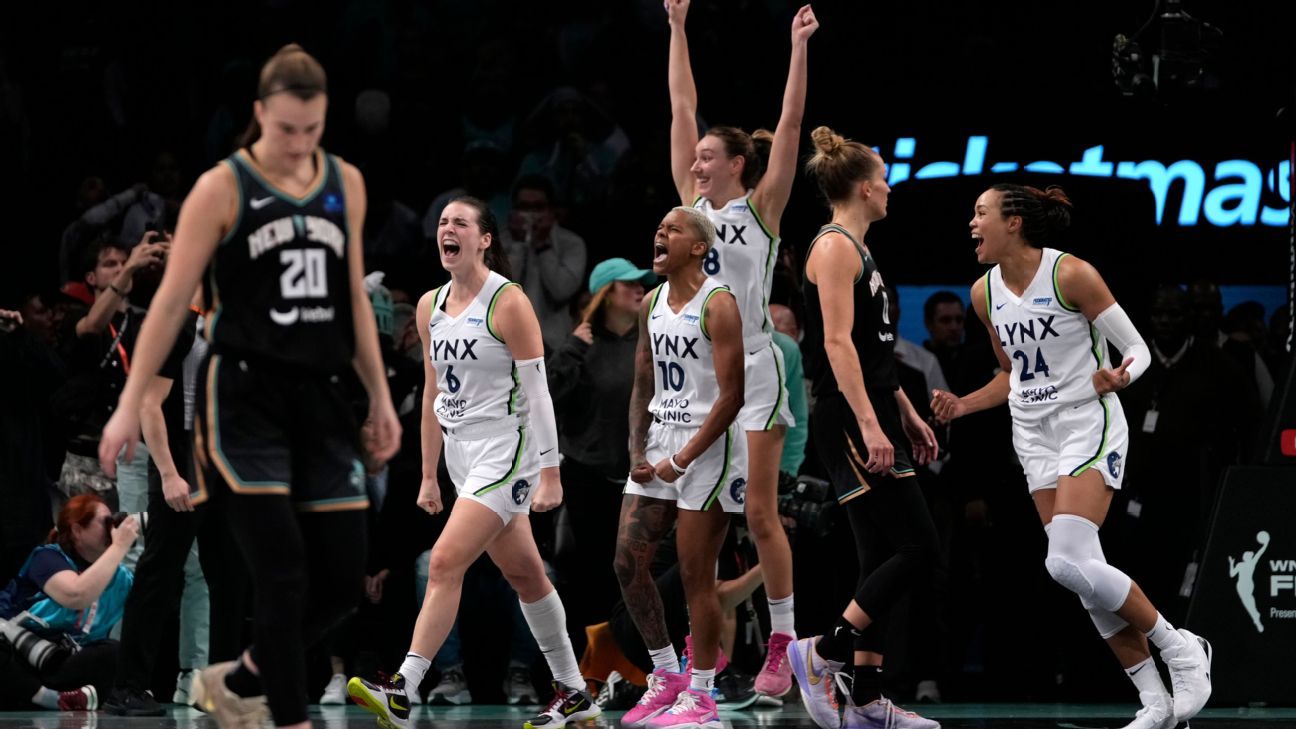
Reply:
x=861, y=422
x=277, y=228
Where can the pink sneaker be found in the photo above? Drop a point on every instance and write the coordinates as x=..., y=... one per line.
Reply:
x=775, y=679
x=692, y=709
x=663, y=688
x=687, y=665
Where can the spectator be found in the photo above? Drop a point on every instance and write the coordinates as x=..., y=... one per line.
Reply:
x=590, y=378
x=158, y=208
x=547, y=259
x=943, y=315
x=1191, y=415
x=75, y=588
x=915, y=356
x=576, y=147
x=96, y=213
x=787, y=335
x=30, y=371
x=1208, y=310
x=482, y=174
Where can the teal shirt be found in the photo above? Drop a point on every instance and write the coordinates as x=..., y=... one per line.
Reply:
x=794, y=444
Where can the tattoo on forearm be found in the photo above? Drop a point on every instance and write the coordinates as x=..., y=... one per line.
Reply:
x=644, y=523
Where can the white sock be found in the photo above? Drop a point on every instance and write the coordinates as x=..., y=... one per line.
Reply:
x=781, y=620
x=1164, y=636
x=1145, y=677
x=548, y=622
x=665, y=659
x=413, y=669
x=46, y=698
x=702, y=680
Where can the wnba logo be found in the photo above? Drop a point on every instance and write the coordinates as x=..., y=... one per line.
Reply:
x=520, y=490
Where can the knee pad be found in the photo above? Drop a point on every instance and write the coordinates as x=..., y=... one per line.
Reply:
x=1074, y=562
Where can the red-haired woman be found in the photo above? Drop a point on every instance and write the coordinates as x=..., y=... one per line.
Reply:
x=72, y=589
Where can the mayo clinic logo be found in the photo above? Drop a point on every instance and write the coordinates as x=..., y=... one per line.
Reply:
x=1282, y=582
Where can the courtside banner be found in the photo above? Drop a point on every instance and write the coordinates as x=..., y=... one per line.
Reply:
x=1244, y=601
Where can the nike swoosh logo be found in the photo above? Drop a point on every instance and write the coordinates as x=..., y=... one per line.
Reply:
x=574, y=709
x=656, y=316
x=546, y=451
x=260, y=202
x=999, y=306
x=1140, y=668
x=814, y=678
x=755, y=352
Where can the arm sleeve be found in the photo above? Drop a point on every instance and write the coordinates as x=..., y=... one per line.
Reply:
x=536, y=386
x=1115, y=325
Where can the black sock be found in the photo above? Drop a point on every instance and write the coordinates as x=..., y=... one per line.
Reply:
x=243, y=682
x=866, y=684
x=840, y=643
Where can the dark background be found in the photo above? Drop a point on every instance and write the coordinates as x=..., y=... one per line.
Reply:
x=90, y=88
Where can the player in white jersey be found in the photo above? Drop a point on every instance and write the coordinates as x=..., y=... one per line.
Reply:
x=721, y=174
x=1053, y=315
x=487, y=401
x=686, y=458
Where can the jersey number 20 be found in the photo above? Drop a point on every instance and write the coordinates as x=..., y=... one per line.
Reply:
x=306, y=276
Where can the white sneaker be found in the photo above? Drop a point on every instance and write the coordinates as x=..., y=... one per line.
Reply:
x=1157, y=712
x=184, y=686
x=518, y=689
x=335, y=693
x=1190, y=675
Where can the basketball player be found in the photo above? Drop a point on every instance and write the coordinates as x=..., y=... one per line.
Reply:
x=277, y=228
x=686, y=451
x=1053, y=316
x=486, y=398
x=721, y=174
x=862, y=419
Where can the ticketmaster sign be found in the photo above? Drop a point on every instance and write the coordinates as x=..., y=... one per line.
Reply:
x=1231, y=193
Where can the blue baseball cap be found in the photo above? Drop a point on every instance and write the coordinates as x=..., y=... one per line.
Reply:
x=618, y=269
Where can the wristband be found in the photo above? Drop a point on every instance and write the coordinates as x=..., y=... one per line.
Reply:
x=678, y=471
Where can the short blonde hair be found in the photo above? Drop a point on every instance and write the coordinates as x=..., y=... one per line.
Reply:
x=700, y=223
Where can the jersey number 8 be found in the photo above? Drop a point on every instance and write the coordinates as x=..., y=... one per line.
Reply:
x=711, y=264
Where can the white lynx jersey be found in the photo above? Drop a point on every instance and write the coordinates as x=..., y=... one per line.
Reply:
x=1053, y=348
x=476, y=378
x=743, y=259
x=685, y=386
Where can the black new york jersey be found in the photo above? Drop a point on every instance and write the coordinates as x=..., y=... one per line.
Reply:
x=873, y=332
x=279, y=283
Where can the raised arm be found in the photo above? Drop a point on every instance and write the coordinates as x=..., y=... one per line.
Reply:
x=948, y=406
x=683, y=97
x=774, y=189
x=206, y=215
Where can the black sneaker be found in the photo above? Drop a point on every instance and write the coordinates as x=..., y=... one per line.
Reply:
x=133, y=702
x=618, y=694
x=386, y=699
x=566, y=706
x=734, y=690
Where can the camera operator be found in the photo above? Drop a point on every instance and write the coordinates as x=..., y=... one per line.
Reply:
x=74, y=588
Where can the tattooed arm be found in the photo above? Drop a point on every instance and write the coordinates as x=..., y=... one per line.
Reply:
x=640, y=419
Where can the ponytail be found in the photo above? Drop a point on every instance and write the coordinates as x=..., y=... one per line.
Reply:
x=1044, y=213
x=290, y=70
x=839, y=164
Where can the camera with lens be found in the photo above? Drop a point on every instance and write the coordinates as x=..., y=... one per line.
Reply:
x=809, y=503
x=140, y=516
x=41, y=653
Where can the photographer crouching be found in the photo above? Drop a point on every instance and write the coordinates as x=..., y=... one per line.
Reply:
x=55, y=616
